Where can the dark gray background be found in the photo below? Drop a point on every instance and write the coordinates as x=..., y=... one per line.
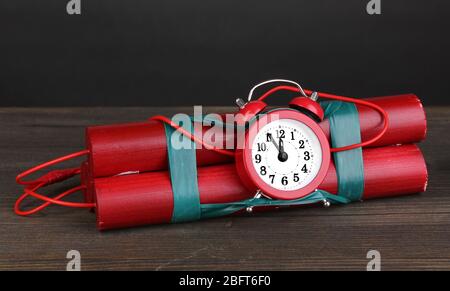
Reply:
x=184, y=52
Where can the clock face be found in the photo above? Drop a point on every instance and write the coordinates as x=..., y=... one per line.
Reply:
x=286, y=154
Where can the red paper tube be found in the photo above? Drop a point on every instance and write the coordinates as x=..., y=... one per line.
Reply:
x=142, y=146
x=407, y=120
x=139, y=199
x=88, y=181
x=139, y=147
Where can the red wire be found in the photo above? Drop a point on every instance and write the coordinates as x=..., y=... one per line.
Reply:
x=48, y=179
x=45, y=165
x=32, y=186
x=345, y=99
x=295, y=89
x=49, y=201
x=191, y=136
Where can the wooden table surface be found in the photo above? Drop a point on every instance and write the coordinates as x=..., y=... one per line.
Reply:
x=411, y=232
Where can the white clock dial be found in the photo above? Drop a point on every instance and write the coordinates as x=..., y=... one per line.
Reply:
x=286, y=154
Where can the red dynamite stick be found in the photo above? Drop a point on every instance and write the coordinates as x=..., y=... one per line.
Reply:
x=407, y=120
x=138, y=147
x=142, y=146
x=132, y=200
x=87, y=180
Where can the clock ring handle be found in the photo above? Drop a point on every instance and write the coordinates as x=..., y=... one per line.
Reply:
x=250, y=94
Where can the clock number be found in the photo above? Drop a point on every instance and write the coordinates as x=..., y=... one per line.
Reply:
x=307, y=156
x=263, y=170
x=296, y=177
x=284, y=181
x=302, y=144
x=269, y=137
x=262, y=147
x=258, y=158
x=271, y=177
x=304, y=169
x=292, y=135
x=281, y=133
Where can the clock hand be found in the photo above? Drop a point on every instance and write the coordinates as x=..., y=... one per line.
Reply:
x=281, y=145
x=282, y=155
x=273, y=141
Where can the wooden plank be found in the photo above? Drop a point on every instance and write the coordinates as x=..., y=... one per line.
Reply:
x=411, y=232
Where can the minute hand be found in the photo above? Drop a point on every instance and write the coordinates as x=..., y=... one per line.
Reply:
x=274, y=143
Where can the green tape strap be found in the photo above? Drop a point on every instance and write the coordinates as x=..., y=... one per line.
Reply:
x=183, y=175
x=222, y=209
x=345, y=130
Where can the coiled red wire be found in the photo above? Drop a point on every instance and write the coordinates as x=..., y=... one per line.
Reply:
x=50, y=178
x=30, y=187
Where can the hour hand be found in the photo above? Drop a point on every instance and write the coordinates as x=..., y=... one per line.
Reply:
x=281, y=145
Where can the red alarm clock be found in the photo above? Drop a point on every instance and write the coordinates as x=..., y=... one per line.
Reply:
x=286, y=154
